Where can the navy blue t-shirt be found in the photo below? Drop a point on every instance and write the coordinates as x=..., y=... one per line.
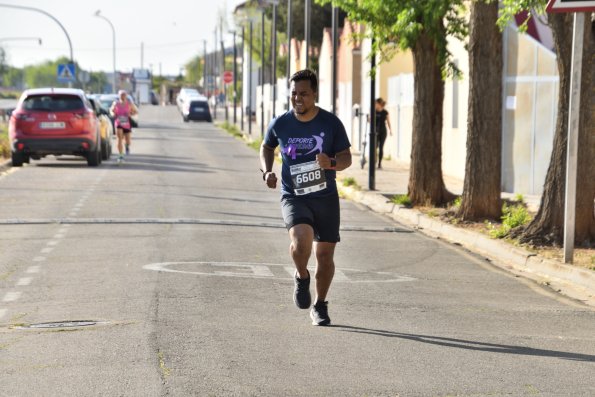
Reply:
x=300, y=142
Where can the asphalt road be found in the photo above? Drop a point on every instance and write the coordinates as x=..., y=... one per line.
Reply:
x=170, y=276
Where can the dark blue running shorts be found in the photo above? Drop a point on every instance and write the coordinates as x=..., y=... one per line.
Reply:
x=322, y=213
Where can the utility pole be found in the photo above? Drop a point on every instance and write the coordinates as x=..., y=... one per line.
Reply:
x=307, y=16
x=288, y=52
x=335, y=25
x=372, y=138
x=262, y=76
x=274, y=56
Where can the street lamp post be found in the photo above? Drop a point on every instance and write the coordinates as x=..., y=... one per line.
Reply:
x=98, y=15
x=49, y=15
x=38, y=39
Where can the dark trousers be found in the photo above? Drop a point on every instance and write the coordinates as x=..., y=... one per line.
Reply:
x=380, y=138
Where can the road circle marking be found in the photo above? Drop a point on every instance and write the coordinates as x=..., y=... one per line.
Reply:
x=269, y=271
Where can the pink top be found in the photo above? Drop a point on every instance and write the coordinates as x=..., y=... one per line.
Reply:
x=122, y=114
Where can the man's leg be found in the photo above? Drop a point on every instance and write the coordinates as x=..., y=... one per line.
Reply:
x=300, y=248
x=325, y=268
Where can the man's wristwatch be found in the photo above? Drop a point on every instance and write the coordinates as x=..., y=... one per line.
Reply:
x=333, y=164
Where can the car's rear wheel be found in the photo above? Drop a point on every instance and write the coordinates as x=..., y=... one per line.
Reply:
x=17, y=159
x=94, y=157
x=104, y=150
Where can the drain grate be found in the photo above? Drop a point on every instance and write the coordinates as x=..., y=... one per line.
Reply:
x=63, y=324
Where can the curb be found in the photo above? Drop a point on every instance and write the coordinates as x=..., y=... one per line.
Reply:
x=4, y=165
x=577, y=283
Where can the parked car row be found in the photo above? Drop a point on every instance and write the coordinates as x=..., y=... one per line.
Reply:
x=60, y=121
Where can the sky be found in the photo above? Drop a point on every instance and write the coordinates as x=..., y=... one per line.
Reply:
x=172, y=31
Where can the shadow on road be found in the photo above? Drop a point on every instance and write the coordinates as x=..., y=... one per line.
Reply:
x=470, y=345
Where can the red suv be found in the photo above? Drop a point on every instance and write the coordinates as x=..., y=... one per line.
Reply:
x=54, y=121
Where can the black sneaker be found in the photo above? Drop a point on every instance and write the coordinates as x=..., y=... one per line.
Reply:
x=319, y=314
x=301, y=294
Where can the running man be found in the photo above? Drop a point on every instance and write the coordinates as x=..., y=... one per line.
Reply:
x=314, y=145
x=121, y=111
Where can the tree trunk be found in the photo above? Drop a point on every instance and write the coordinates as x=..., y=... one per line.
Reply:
x=481, y=190
x=585, y=192
x=426, y=186
x=547, y=228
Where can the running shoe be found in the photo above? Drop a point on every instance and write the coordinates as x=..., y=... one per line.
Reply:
x=120, y=159
x=301, y=295
x=319, y=314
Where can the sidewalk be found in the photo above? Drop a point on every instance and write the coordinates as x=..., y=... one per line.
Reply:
x=575, y=282
x=572, y=281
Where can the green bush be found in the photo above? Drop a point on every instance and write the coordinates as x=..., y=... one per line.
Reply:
x=512, y=216
x=349, y=181
x=4, y=146
x=401, y=199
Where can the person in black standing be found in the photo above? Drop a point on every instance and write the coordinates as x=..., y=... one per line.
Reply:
x=382, y=122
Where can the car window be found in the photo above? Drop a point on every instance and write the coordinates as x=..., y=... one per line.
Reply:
x=197, y=104
x=53, y=103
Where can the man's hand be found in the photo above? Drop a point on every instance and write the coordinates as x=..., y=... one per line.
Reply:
x=323, y=161
x=271, y=180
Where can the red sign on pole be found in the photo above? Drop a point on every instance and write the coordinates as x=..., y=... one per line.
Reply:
x=570, y=6
x=227, y=77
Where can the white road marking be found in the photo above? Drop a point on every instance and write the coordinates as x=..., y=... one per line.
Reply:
x=11, y=296
x=245, y=270
x=39, y=259
x=2, y=313
x=33, y=269
x=270, y=271
x=24, y=281
x=47, y=250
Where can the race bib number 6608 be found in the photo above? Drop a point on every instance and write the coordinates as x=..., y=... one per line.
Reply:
x=307, y=178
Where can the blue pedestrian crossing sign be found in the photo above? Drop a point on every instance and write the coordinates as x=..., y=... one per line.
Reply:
x=66, y=73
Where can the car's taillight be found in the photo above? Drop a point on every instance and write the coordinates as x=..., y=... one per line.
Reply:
x=83, y=115
x=20, y=146
x=24, y=117
x=85, y=145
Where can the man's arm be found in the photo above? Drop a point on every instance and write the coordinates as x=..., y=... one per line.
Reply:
x=267, y=159
x=342, y=160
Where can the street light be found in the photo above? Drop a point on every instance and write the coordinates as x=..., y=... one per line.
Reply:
x=98, y=15
x=47, y=14
x=38, y=39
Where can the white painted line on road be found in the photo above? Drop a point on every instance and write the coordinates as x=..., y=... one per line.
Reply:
x=39, y=259
x=33, y=269
x=339, y=275
x=269, y=271
x=24, y=281
x=2, y=313
x=11, y=296
x=47, y=250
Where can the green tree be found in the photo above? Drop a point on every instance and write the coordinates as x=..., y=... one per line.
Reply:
x=422, y=27
x=548, y=225
x=3, y=66
x=481, y=189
